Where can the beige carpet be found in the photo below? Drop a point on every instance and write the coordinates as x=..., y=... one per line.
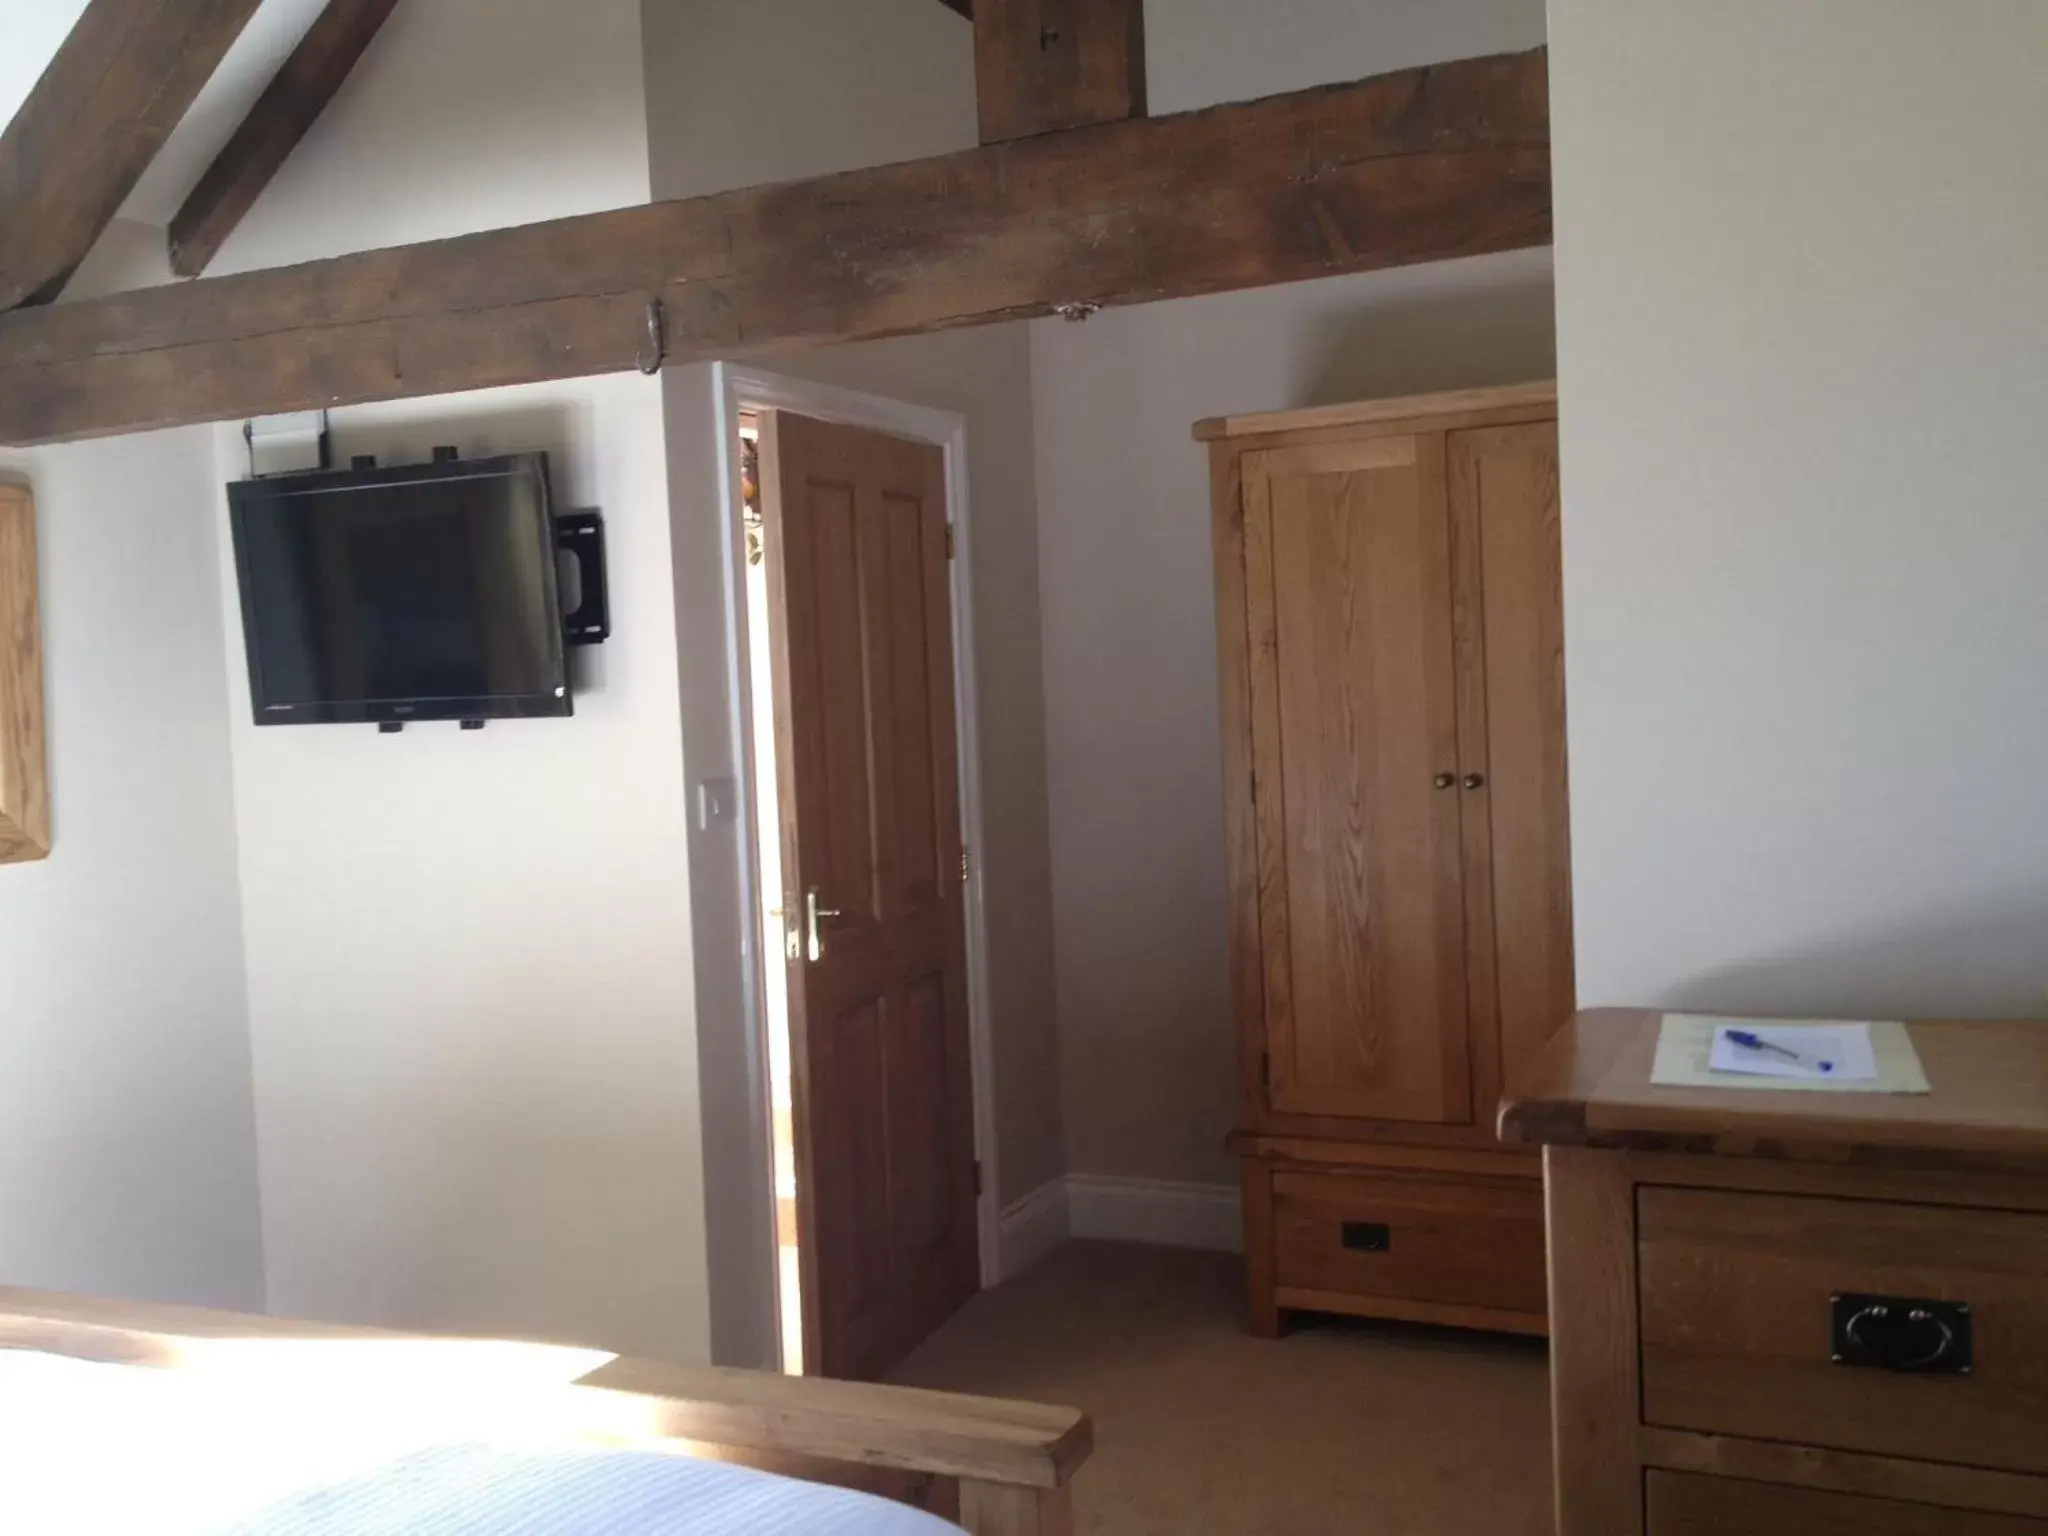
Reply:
x=1340, y=1429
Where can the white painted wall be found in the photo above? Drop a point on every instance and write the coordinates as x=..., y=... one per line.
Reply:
x=1804, y=354
x=1126, y=578
x=469, y=955
x=469, y=960
x=745, y=92
x=1201, y=52
x=127, y=1137
x=463, y=115
x=127, y=1123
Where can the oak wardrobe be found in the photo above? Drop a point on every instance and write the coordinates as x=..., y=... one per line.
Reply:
x=1390, y=634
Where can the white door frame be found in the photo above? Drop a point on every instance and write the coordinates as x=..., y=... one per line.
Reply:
x=737, y=388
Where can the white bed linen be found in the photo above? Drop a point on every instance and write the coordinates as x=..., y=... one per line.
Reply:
x=481, y=1491
x=95, y=1450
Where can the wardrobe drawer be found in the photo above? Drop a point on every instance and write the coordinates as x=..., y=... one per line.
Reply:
x=1421, y=1237
x=1681, y=1504
x=1745, y=1300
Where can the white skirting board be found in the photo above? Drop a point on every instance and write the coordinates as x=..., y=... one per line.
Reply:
x=1120, y=1210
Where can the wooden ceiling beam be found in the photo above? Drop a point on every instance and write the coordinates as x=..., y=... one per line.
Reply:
x=1422, y=165
x=289, y=105
x=964, y=7
x=1045, y=65
x=120, y=82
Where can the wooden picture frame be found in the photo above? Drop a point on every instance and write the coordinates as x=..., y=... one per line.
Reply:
x=24, y=767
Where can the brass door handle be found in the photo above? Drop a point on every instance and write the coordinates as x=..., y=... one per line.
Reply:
x=1446, y=780
x=812, y=914
x=1475, y=781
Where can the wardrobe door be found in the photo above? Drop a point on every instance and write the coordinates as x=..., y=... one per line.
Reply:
x=1347, y=560
x=1504, y=509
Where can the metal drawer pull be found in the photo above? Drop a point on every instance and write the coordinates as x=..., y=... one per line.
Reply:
x=1366, y=1236
x=1902, y=1333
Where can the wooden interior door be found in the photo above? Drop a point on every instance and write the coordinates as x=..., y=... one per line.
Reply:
x=1510, y=580
x=1354, y=757
x=862, y=651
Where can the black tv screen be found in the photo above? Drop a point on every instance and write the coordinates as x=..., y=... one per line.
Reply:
x=418, y=593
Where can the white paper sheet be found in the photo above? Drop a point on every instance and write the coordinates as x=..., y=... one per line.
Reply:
x=1685, y=1048
x=1840, y=1052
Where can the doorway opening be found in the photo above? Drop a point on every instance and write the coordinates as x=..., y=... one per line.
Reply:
x=769, y=923
x=861, y=810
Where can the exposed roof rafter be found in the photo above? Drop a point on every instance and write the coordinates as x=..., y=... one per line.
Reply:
x=120, y=82
x=289, y=105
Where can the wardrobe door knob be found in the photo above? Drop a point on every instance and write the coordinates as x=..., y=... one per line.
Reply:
x=1446, y=780
x=1475, y=781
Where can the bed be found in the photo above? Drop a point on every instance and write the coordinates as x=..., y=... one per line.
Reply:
x=176, y=1420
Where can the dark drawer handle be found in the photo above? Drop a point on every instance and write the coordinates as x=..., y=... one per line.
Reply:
x=1903, y=1333
x=1366, y=1236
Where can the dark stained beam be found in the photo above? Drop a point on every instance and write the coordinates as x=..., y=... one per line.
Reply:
x=1045, y=65
x=289, y=105
x=964, y=7
x=117, y=87
x=1418, y=166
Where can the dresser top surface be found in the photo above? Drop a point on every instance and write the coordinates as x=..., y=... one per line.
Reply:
x=1989, y=1105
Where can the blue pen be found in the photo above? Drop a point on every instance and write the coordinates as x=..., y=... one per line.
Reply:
x=1754, y=1042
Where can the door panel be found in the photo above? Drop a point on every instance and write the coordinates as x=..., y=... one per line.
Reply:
x=1354, y=718
x=861, y=641
x=921, y=1141
x=850, y=1160
x=914, y=876
x=1504, y=509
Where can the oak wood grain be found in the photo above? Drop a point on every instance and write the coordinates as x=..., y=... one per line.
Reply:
x=1240, y=817
x=1316, y=725
x=1736, y=1288
x=989, y=1440
x=1843, y=1178
x=1325, y=1153
x=1590, y=1086
x=1420, y=165
x=1511, y=735
x=24, y=762
x=1405, y=1309
x=289, y=105
x=1262, y=1312
x=1590, y=1206
x=119, y=83
x=1884, y=1477
x=994, y=1510
x=1452, y=410
x=1464, y=1241
x=1045, y=65
x=1681, y=1504
x=1348, y=596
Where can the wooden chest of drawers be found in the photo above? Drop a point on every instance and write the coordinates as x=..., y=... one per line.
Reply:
x=1786, y=1314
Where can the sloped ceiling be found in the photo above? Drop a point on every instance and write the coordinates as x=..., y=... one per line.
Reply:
x=32, y=30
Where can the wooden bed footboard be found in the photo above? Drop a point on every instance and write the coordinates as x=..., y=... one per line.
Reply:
x=999, y=1468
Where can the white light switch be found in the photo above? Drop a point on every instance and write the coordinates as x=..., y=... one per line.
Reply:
x=718, y=801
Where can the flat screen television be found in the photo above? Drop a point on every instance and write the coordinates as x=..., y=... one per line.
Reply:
x=426, y=592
